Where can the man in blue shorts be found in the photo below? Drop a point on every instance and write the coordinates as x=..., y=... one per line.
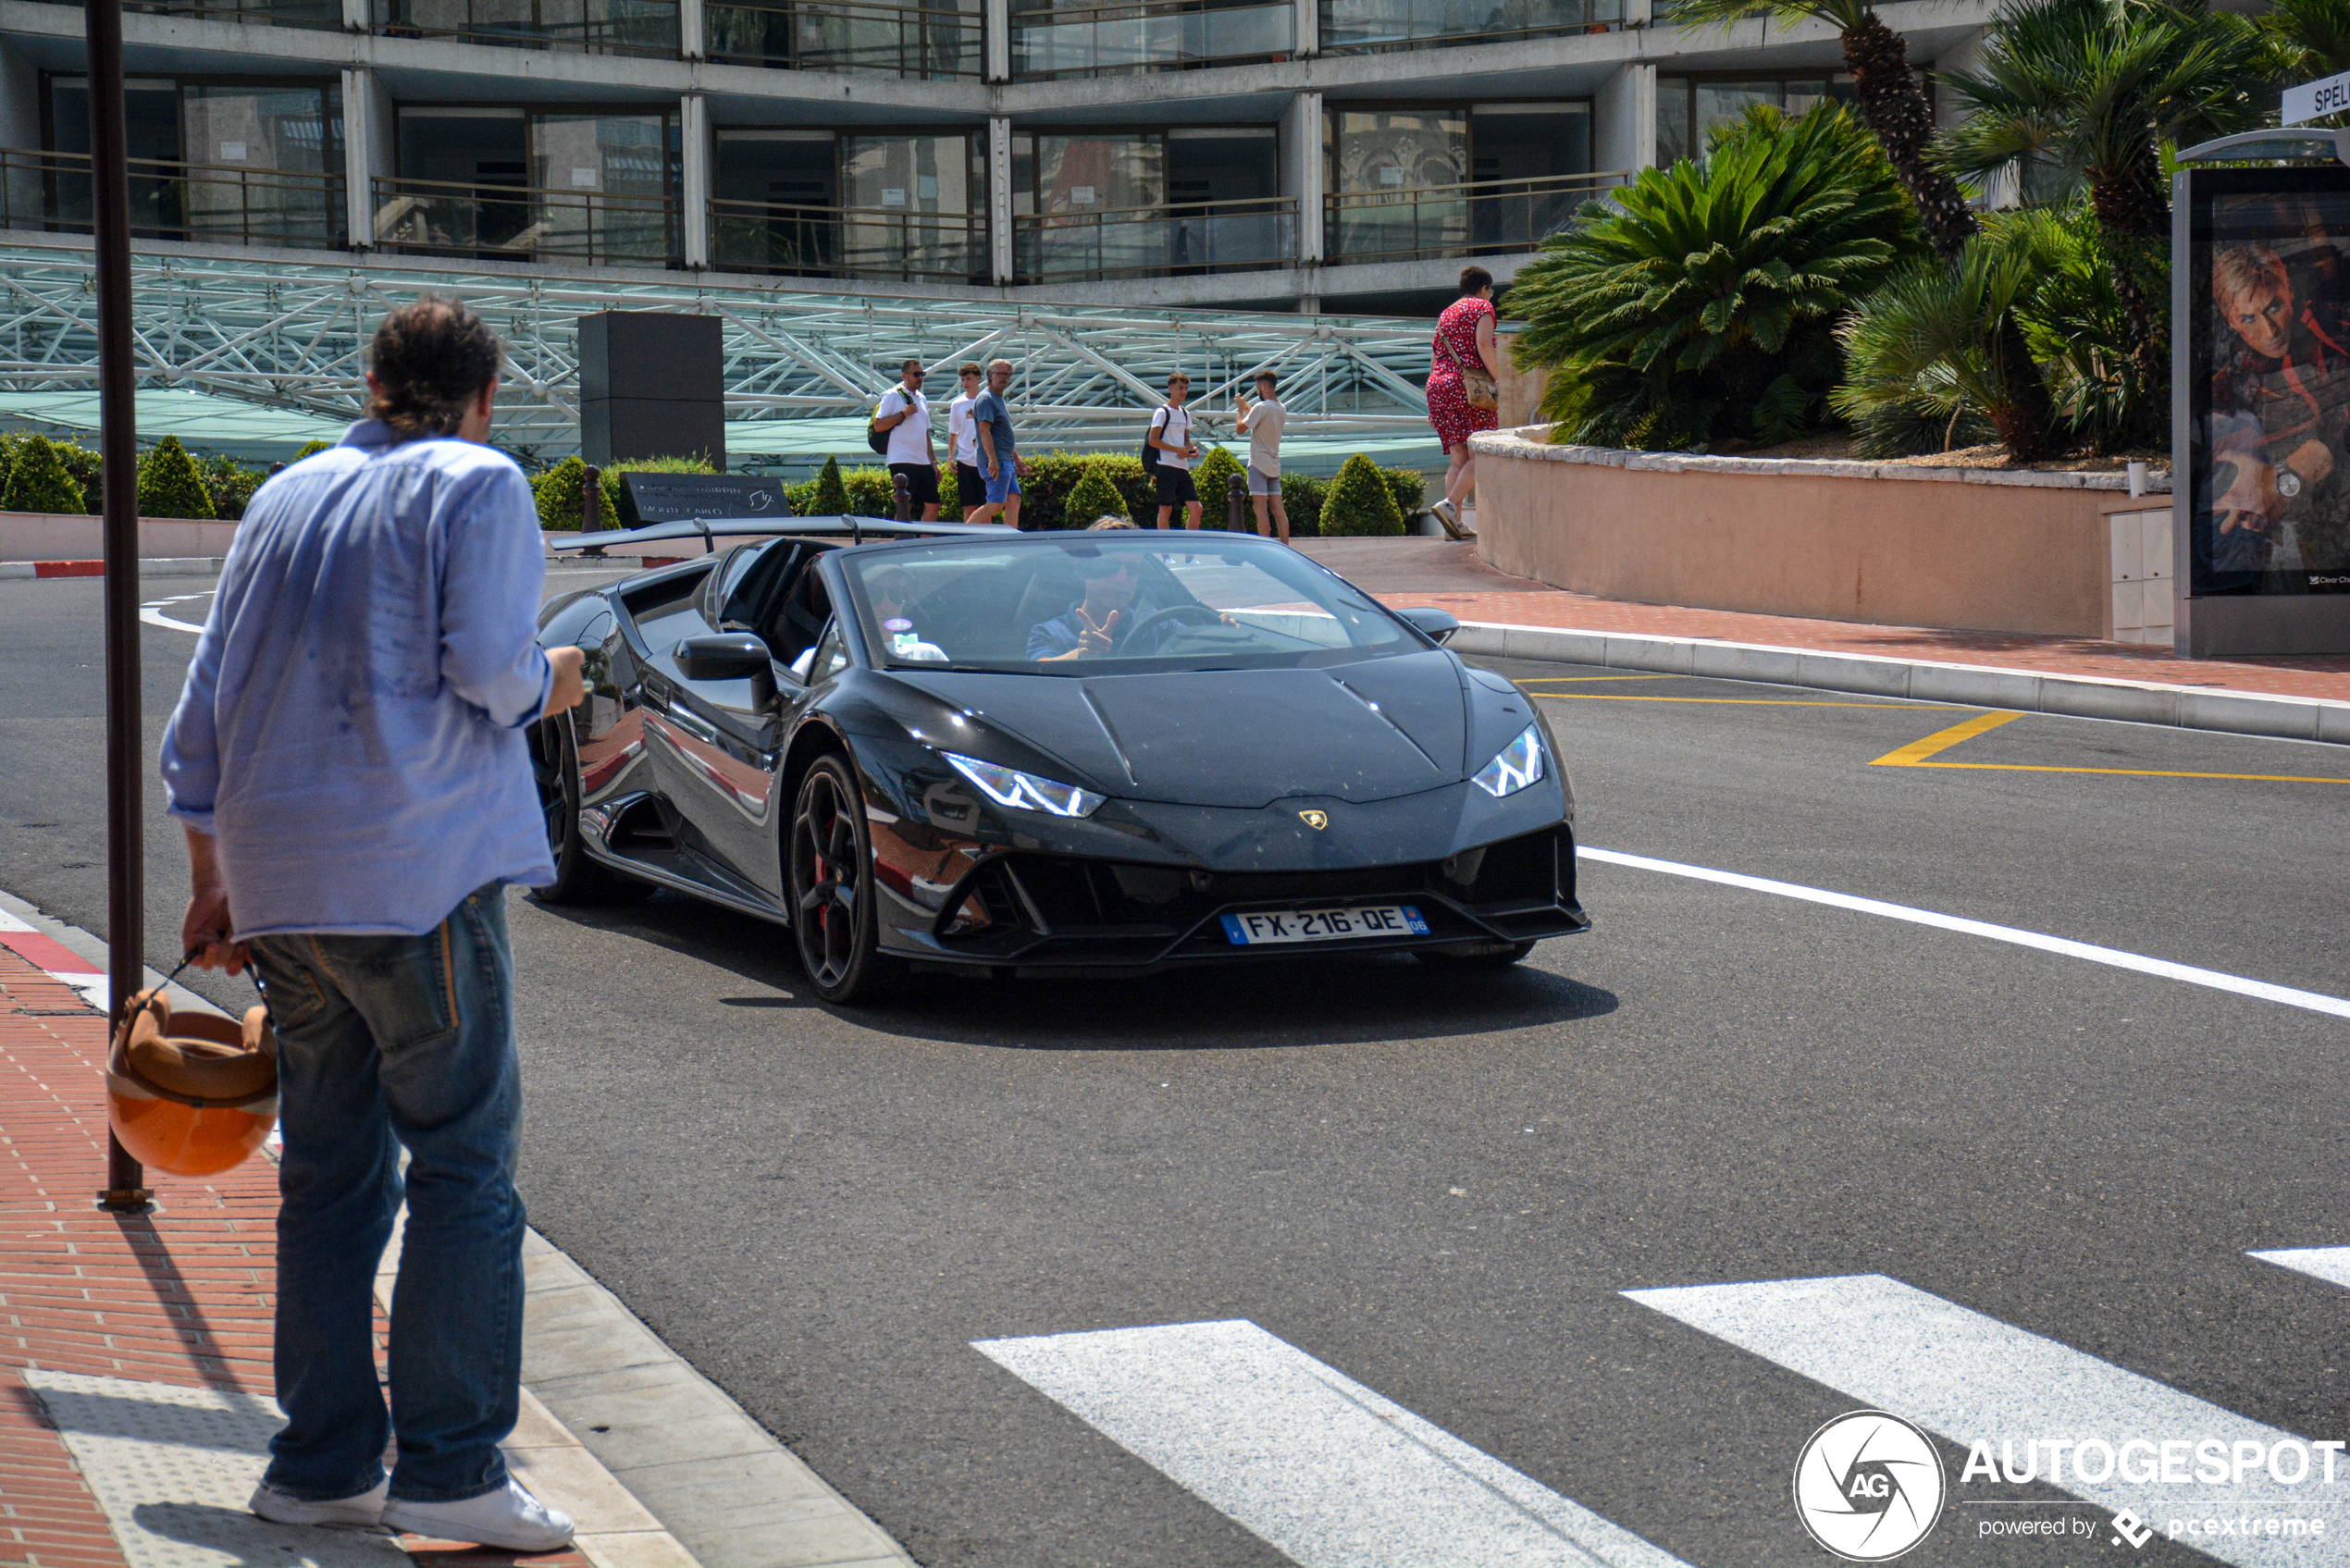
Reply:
x=999, y=461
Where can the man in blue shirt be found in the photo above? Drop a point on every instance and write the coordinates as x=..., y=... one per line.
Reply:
x=999, y=461
x=348, y=760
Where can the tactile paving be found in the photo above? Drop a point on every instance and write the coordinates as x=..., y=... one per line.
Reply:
x=173, y=1469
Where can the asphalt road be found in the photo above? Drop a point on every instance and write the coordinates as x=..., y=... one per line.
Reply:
x=1442, y=1185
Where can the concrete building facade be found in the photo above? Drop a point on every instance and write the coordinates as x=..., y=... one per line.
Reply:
x=1338, y=155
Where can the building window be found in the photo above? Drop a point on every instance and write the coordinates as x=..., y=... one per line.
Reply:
x=1688, y=107
x=220, y=162
x=927, y=39
x=596, y=27
x=496, y=183
x=1421, y=182
x=1051, y=40
x=1126, y=204
x=1362, y=26
x=879, y=205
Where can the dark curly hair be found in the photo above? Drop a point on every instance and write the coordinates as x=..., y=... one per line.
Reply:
x=430, y=359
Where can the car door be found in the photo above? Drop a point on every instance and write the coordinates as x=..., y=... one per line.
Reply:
x=725, y=746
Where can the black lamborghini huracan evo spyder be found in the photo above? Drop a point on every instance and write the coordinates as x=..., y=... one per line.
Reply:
x=1099, y=752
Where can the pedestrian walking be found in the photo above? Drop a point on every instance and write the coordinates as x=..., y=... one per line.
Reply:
x=962, y=440
x=348, y=762
x=1463, y=382
x=1174, y=451
x=1263, y=422
x=999, y=460
x=905, y=415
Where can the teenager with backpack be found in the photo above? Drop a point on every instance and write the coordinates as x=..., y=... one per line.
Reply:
x=1169, y=451
x=904, y=417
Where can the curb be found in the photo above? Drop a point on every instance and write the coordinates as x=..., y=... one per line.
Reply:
x=660, y=1467
x=1973, y=686
x=160, y=566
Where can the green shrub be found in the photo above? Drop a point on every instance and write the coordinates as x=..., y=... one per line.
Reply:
x=232, y=484
x=950, y=501
x=830, y=497
x=38, y=480
x=1697, y=305
x=312, y=449
x=559, y=491
x=1090, y=498
x=1409, y=487
x=170, y=485
x=1359, y=503
x=1212, y=478
x=1302, y=497
x=89, y=471
x=871, y=492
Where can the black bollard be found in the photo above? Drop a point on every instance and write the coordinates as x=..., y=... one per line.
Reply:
x=1236, y=504
x=901, y=499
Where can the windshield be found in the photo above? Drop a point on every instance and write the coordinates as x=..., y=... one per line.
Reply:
x=1116, y=599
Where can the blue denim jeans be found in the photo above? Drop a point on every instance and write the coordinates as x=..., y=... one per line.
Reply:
x=386, y=1042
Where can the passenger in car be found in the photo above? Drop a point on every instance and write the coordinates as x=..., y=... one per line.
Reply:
x=1089, y=630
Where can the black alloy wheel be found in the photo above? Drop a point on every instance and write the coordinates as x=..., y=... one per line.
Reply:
x=832, y=889
x=580, y=877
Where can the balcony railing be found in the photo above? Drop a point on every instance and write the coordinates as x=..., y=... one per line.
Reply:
x=1154, y=36
x=521, y=223
x=1482, y=219
x=589, y=27
x=921, y=42
x=1156, y=242
x=889, y=243
x=213, y=204
x=1364, y=27
x=280, y=13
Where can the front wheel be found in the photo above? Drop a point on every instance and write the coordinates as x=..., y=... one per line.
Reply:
x=832, y=889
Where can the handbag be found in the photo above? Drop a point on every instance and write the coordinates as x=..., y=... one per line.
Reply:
x=1477, y=381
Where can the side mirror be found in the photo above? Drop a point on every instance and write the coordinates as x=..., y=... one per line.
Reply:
x=1438, y=624
x=730, y=656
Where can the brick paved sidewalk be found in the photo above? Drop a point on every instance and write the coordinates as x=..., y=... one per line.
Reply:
x=2321, y=677
x=181, y=1298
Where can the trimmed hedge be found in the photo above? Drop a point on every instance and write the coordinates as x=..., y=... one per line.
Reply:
x=232, y=484
x=1211, y=480
x=89, y=471
x=561, y=492
x=312, y=449
x=38, y=480
x=619, y=511
x=1093, y=497
x=1359, y=503
x=170, y=485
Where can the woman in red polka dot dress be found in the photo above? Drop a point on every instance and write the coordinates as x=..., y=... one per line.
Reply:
x=1463, y=339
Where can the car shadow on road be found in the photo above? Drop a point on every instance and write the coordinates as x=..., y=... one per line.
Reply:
x=1314, y=1000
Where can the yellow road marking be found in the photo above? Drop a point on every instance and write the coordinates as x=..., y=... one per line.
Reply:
x=1732, y=701
x=1918, y=751
x=1916, y=755
x=1558, y=680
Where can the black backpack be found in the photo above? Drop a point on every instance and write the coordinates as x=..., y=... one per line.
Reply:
x=875, y=436
x=1150, y=452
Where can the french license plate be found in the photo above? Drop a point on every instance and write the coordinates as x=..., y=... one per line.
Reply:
x=1324, y=925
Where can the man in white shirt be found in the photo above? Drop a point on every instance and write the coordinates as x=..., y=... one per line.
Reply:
x=1170, y=439
x=1262, y=421
x=962, y=440
x=905, y=414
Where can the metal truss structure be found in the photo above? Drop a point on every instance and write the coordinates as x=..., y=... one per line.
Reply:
x=292, y=334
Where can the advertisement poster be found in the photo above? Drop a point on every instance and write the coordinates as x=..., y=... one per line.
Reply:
x=2270, y=444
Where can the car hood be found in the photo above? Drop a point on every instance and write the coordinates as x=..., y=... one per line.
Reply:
x=1368, y=730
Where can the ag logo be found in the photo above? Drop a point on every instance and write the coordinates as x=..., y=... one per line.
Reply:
x=1318, y=821
x=1869, y=1485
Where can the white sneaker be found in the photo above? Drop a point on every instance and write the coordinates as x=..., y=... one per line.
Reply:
x=512, y=1519
x=366, y=1508
x=1450, y=516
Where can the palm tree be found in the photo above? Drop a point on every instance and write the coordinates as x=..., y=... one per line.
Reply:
x=2098, y=86
x=2312, y=36
x=1892, y=104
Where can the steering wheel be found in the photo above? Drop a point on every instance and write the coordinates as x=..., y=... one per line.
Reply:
x=1194, y=614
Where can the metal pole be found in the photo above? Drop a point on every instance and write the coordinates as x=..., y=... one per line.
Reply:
x=119, y=429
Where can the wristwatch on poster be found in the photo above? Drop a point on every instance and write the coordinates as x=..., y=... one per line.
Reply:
x=2288, y=482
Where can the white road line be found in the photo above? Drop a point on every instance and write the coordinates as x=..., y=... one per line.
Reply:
x=2328, y=1263
x=1308, y=1460
x=2315, y=1000
x=1967, y=1377
x=151, y=613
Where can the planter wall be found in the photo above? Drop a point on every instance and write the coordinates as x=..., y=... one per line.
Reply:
x=64, y=536
x=1970, y=548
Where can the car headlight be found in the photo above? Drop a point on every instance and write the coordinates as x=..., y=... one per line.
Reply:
x=1513, y=767
x=1008, y=786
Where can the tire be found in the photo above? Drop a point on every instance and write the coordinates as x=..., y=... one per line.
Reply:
x=1498, y=956
x=580, y=877
x=831, y=860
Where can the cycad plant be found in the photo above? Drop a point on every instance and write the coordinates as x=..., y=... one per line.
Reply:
x=1698, y=305
x=2097, y=86
x=2311, y=38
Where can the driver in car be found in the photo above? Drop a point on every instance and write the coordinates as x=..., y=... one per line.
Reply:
x=1090, y=630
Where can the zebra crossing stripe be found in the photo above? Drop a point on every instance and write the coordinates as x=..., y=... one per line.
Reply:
x=2328, y=1263
x=1967, y=1377
x=1308, y=1460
